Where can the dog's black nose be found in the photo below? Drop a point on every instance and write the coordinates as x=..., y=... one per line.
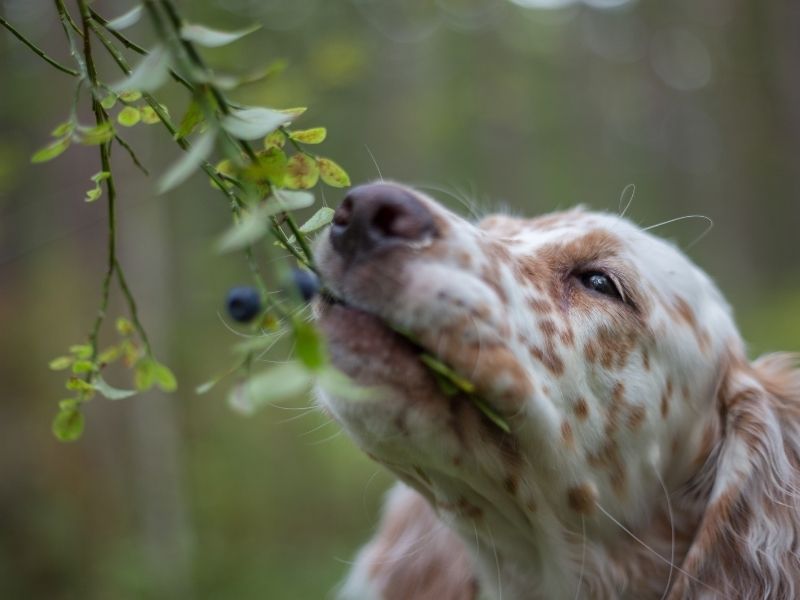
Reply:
x=377, y=216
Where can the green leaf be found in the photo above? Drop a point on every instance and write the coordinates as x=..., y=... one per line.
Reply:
x=93, y=194
x=164, y=378
x=301, y=172
x=129, y=116
x=63, y=129
x=336, y=383
x=83, y=366
x=124, y=326
x=186, y=165
x=270, y=167
x=129, y=96
x=332, y=174
x=193, y=117
x=279, y=383
x=61, y=363
x=490, y=413
x=287, y=200
x=111, y=392
x=206, y=387
x=254, y=224
x=144, y=376
x=81, y=351
x=126, y=20
x=255, y=122
x=69, y=403
x=75, y=384
x=149, y=116
x=109, y=355
x=442, y=369
x=319, y=220
x=149, y=75
x=309, y=136
x=99, y=134
x=276, y=139
x=68, y=424
x=100, y=176
x=109, y=101
x=51, y=151
x=309, y=347
x=213, y=38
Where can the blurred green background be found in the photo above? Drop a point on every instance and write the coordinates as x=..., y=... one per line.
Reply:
x=528, y=105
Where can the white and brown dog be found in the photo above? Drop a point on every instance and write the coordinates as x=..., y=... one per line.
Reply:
x=647, y=458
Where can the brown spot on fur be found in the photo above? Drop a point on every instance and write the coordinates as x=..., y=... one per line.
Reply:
x=566, y=434
x=582, y=498
x=548, y=327
x=636, y=417
x=531, y=505
x=540, y=306
x=549, y=358
x=615, y=407
x=510, y=484
x=645, y=359
x=581, y=409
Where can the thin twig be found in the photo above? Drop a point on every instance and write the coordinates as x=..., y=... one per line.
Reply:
x=131, y=45
x=132, y=154
x=38, y=51
x=105, y=162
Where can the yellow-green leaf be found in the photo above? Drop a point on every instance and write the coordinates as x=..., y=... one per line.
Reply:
x=129, y=116
x=51, y=151
x=68, y=424
x=149, y=116
x=109, y=101
x=164, y=378
x=144, y=377
x=276, y=139
x=309, y=136
x=193, y=117
x=63, y=129
x=130, y=95
x=320, y=218
x=309, y=346
x=124, y=326
x=99, y=134
x=61, y=363
x=270, y=167
x=302, y=172
x=332, y=174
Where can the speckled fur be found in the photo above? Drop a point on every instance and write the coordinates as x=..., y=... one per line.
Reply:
x=647, y=458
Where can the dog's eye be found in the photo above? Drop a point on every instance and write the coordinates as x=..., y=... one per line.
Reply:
x=600, y=283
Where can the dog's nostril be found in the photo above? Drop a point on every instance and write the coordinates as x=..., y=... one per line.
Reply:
x=342, y=214
x=377, y=216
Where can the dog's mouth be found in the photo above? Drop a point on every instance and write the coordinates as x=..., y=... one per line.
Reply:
x=373, y=352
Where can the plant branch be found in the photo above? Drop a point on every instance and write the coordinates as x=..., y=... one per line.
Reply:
x=105, y=161
x=162, y=115
x=131, y=45
x=38, y=51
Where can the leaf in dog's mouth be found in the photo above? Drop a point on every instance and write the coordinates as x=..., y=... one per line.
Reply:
x=451, y=383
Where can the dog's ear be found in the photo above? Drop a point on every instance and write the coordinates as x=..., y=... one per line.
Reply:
x=748, y=542
x=413, y=555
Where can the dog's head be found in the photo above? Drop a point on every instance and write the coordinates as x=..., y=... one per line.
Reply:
x=604, y=349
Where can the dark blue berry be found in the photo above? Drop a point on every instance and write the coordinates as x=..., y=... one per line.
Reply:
x=307, y=283
x=243, y=303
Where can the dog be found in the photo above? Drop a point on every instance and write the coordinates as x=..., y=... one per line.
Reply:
x=645, y=456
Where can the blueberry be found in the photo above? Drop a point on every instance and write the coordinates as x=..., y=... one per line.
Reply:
x=243, y=303
x=307, y=283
